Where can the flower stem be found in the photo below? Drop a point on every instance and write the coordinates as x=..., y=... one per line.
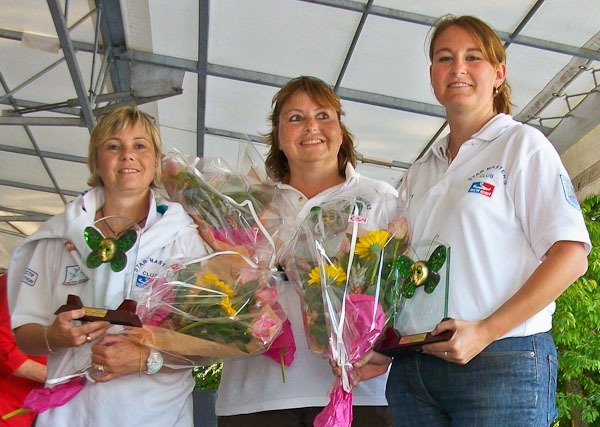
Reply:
x=281, y=362
x=16, y=412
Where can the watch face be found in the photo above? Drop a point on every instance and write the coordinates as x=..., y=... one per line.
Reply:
x=155, y=362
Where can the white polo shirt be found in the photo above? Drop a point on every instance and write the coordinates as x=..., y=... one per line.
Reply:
x=501, y=204
x=48, y=266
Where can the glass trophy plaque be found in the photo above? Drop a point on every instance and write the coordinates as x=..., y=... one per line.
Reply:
x=422, y=277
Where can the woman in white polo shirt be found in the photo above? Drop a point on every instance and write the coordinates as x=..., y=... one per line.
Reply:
x=312, y=158
x=131, y=388
x=496, y=191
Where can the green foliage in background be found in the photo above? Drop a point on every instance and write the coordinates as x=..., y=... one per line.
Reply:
x=208, y=377
x=577, y=335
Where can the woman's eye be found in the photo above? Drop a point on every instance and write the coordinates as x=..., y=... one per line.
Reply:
x=112, y=147
x=295, y=118
x=323, y=116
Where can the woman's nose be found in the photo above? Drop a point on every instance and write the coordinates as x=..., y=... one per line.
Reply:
x=458, y=67
x=311, y=125
x=127, y=154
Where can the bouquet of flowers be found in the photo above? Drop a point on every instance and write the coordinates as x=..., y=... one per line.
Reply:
x=225, y=204
x=217, y=306
x=335, y=256
x=346, y=276
x=223, y=305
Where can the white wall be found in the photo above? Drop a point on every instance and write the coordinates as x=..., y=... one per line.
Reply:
x=582, y=161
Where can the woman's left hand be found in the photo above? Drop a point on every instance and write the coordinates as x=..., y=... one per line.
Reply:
x=468, y=340
x=115, y=356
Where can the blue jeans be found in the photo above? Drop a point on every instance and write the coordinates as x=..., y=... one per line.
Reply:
x=511, y=383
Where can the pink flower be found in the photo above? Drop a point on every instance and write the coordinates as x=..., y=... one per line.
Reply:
x=398, y=228
x=265, y=328
x=161, y=291
x=249, y=275
x=266, y=295
x=284, y=346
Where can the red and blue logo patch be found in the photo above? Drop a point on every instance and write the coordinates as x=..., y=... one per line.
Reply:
x=483, y=188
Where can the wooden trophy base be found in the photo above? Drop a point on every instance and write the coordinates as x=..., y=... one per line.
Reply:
x=393, y=344
x=123, y=315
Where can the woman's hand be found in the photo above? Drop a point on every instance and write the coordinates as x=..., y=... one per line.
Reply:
x=468, y=340
x=371, y=365
x=63, y=333
x=115, y=356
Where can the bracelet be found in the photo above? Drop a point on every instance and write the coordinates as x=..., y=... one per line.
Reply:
x=47, y=341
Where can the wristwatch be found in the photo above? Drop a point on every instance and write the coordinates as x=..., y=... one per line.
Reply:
x=154, y=362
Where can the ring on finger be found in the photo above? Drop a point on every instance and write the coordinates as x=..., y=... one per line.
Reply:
x=88, y=338
x=101, y=367
x=446, y=354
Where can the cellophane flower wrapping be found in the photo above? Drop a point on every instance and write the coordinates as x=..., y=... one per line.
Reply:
x=219, y=306
x=344, y=271
x=225, y=202
x=223, y=305
x=337, y=253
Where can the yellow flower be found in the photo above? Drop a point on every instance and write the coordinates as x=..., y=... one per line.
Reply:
x=227, y=307
x=371, y=244
x=212, y=280
x=335, y=273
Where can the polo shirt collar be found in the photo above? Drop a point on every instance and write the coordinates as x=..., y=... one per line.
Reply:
x=490, y=131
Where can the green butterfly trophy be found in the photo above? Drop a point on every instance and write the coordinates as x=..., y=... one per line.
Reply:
x=113, y=243
x=422, y=279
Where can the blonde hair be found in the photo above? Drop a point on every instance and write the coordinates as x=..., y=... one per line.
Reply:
x=488, y=42
x=277, y=164
x=115, y=122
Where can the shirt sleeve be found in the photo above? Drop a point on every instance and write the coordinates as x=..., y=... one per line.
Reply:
x=11, y=358
x=545, y=200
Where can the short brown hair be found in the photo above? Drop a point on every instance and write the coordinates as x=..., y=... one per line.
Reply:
x=115, y=122
x=277, y=164
x=488, y=42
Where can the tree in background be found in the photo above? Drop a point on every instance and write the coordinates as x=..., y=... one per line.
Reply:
x=576, y=331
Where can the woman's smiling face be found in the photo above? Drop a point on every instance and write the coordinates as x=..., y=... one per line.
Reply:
x=308, y=132
x=127, y=161
x=460, y=75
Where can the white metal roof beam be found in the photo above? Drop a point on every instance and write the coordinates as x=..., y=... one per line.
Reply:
x=416, y=18
x=42, y=121
x=46, y=154
x=37, y=188
x=35, y=145
x=69, y=52
x=203, y=23
x=355, y=38
x=113, y=36
x=32, y=106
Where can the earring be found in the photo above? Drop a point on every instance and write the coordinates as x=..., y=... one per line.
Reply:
x=496, y=90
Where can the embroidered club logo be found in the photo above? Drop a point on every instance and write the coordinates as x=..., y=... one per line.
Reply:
x=483, y=188
x=74, y=275
x=141, y=281
x=569, y=192
x=29, y=277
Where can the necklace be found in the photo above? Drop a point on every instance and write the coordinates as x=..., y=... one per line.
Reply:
x=110, y=228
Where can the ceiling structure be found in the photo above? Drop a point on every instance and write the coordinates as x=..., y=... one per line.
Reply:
x=207, y=70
